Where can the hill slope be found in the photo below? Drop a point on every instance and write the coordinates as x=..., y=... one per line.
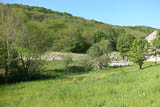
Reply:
x=70, y=33
x=114, y=87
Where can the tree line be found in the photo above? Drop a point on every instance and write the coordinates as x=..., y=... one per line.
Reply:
x=68, y=33
x=138, y=49
x=26, y=32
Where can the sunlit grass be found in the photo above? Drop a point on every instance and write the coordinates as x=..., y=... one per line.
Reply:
x=111, y=87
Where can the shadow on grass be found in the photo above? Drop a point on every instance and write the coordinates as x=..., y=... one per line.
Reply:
x=62, y=73
x=47, y=75
x=77, y=70
x=74, y=70
x=59, y=73
x=151, y=66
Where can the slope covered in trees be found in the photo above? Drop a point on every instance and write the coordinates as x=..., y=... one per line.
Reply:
x=69, y=33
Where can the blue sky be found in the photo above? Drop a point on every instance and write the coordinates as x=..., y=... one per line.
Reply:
x=116, y=12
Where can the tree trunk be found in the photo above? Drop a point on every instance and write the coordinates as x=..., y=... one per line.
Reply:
x=23, y=64
x=6, y=62
x=140, y=66
x=26, y=67
x=6, y=71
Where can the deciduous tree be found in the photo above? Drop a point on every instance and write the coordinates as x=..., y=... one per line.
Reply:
x=139, y=51
x=99, y=53
x=124, y=43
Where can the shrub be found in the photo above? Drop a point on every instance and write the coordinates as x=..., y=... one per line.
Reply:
x=67, y=60
x=100, y=62
x=99, y=54
x=86, y=62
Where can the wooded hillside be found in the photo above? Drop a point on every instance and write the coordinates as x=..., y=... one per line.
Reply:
x=68, y=33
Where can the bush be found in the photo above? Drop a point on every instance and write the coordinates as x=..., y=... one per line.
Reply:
x=20, y=75
x=67, y=60
x=99, y=54
x=17, y=74
x=100, y=62
x=86, y=62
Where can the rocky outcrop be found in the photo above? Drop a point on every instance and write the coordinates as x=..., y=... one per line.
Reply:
x=152, y=36
x=149, y=38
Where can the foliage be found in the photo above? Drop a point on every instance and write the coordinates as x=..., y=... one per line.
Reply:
x=100, y=48
x=86, y=62
x=139, y=51
x=26, y=32
x=65, y=32
x=67, y=60
x=20, y=42
x=135, y=31
x=100, y=62
x=70, y=40
x=8, y=37
x=31, y=45
x=98, y=36
x=124, y=43
x=99, y=53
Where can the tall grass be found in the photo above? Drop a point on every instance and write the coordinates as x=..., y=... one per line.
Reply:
x=111, y=87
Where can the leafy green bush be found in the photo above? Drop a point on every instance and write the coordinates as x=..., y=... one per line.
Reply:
x=86, y=62
x=67, y=60
x=100, y=62
x=99, y=54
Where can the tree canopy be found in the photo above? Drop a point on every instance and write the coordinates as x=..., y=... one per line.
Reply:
x=65, y=32
x=139, y=51
x=124, y=43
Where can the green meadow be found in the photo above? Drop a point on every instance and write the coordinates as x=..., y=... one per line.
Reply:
x=110, y=87
x=55, y=59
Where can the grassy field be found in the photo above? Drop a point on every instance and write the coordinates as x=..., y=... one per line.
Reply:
x=111, y=87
